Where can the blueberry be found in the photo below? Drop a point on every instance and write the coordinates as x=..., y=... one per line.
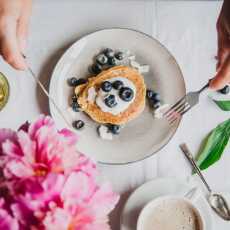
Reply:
x=114, y=129
x=119, y=56
x=225, y=90
x=81, y=81
x=150, y=93
x=109, y=53
x=79, y=124
x=102, y=59
x=96, y=68
x=112, y=61
x=154, y=105
x=75, y=106
x=110, y=101
x=126, y=94
x=74, y=98
x=72, y=81
x=118, y=84
x=106, y=86
x=156, y=97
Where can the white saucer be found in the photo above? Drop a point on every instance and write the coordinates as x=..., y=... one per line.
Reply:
x=141, y=137
x=156, y=188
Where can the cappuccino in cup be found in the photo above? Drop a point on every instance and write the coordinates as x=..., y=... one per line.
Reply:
x=170, y=214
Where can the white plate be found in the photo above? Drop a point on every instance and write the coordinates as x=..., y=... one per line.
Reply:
x=154, y=189
x=141, y=137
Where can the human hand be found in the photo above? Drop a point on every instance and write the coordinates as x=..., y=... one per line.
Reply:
x=222, y=77
x=14, y=22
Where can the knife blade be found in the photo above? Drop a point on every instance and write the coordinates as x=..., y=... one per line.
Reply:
x=42, y=87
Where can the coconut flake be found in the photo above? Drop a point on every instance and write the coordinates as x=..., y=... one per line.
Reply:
x=143, y=69
x=135, y=64
x=104, y=133
x=159, y=113
x=132, y=57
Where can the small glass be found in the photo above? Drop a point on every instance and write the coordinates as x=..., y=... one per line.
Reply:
x=4, y=91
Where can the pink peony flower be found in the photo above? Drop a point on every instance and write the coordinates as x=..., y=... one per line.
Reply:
x=85, y=205
x=7, y=222
x=49, y=184
x=79, y=198
x=40, y=150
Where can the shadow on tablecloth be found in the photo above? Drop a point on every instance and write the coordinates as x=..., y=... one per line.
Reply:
x=116, y=214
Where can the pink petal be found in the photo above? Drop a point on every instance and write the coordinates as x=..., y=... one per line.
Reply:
x=69, y=136
x=78, y=188
x=7, y=222
x=49, y=147
x=40, y=122
x=11, y=149
x=7, y=134
x=103, y=201
x=42, y=191
x=17, y=169
x=23, y=214
x=58, y=219
x=70, y=161
x=87, y=166
x=28, y=147
x=53, y=185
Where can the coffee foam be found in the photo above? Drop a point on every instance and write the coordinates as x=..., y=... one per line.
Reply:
x=173, y=214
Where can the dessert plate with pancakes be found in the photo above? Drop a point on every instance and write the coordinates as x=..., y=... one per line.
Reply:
x=113, y=98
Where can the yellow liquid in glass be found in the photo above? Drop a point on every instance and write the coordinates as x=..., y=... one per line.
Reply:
x=4, y=91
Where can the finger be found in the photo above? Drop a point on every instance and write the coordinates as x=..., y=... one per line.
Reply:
x=223, y=55
x=223, y=41
x=9, y=43
x=222, y=77
x=23, y=25
x=22, y=33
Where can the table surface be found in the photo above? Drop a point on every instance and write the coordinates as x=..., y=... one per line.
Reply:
x=186, y=28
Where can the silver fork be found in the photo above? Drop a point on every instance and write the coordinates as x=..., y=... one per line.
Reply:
x=182, y=106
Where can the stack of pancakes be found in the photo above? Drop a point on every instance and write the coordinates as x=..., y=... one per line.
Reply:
x=91, y=108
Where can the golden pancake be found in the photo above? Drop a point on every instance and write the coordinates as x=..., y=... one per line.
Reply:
x=92, y=109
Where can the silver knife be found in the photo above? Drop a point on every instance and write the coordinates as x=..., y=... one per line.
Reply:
x=47, y=94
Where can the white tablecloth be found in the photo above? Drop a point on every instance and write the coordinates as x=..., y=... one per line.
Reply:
x=186, y=28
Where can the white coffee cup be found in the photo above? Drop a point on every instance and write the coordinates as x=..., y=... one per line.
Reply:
x=148, y=212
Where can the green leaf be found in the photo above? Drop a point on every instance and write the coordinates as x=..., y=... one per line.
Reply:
x=214, y=145
x=222, y=101
x=224, y=105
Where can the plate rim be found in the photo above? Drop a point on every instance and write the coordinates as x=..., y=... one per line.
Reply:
x=51, y=107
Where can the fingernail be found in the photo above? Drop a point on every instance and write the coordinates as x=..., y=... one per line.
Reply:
x=23, y=45
x=22, y=64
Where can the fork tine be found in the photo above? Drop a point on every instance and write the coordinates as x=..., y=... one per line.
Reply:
x=172, y=121
x=176, y=109
x=186, y=110
x=174, y=106
x=179, y=110
x=176, y=114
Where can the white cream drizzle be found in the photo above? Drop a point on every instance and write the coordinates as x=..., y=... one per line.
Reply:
x=121, y=105
x=91, y=95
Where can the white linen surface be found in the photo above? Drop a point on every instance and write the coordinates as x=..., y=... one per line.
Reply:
x=186, y=28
